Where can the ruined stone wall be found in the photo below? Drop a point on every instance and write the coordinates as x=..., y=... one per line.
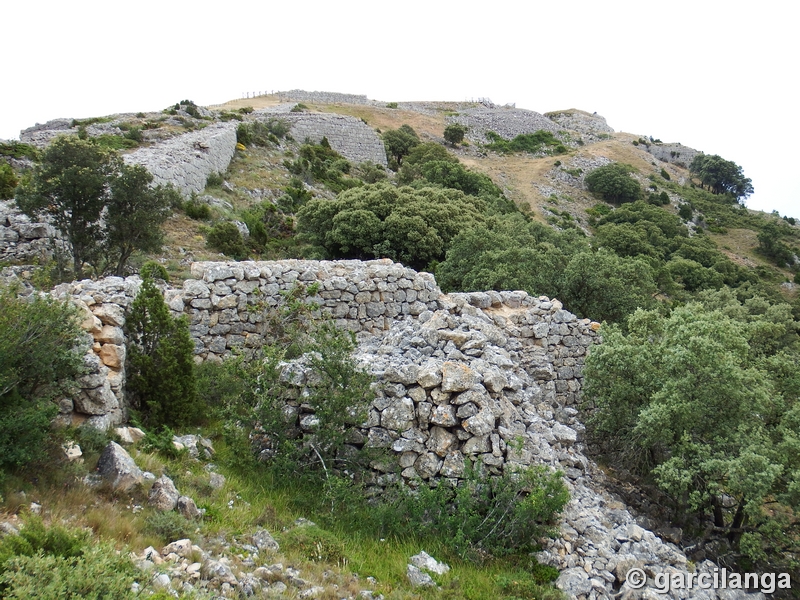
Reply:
x=322, y=97
x=187, y=160
x=23, y=240
x=226, y=304
x=350, y=137
x=673, y=153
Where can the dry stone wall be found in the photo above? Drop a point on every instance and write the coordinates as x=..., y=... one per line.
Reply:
x=506, y=122
x=225, y=301
x=492, y=378
x=23, y=240
x=350, y=137
x=677, y=154
x=322, y=97
x=187, y=160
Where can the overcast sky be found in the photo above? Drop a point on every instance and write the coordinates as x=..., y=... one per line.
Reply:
x=712, y=75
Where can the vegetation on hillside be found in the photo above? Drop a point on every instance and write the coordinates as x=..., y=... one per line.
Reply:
x=694, y=390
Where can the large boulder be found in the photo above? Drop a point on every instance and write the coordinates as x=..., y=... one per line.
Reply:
x=118, y=468
x=163, y=495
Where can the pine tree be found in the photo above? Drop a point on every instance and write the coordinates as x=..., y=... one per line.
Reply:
x=160, y=367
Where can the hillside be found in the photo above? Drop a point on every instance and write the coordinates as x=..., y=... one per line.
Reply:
x=377, y=297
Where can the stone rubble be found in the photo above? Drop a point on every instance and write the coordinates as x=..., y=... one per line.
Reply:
x=491, y=377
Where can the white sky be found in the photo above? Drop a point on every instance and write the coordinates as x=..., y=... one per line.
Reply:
x=716, y=76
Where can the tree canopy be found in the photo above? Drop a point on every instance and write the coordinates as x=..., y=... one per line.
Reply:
x=705, y=402
x=399, y=142
x=104, y=208
x=414, y=226
x=71, y=186
x=507, y=252
x=614, y=184
x=721, y=176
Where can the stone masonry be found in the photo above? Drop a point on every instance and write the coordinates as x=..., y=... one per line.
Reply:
x=187, y=160
x=488, y=377
x=350, y=137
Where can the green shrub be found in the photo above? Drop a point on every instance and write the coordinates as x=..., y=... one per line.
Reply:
x=40, y=356
x=153, y=270
x=134, y=134
x=534, y=143
x=613, y=183
x=299, y=107
x=246, y=110
x=195, y=209
x=169, y=526
x=214, y=179
x=391, y=105
x=98, y=574
x=8, y=181
x=19, y=150
x=114, y=142
x=501, y=515
x=685, y=212
x=55, y=563
x=227, y=238
x=454, y=133
x=664, y=174
x=160, y=369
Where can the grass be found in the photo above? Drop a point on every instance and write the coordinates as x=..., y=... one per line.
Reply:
x=335, y=551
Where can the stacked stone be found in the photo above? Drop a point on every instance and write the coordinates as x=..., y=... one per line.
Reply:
x=100, y=401
x=506, y=122
x=322, y=97
x=22, y=240
x=476, y=380
x=350, y=137
x=582, y=122
x=187, y=160
x=485, y=377
x=677, y=154
x=225, y=302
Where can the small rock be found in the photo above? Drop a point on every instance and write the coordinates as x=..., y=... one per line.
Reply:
x=419, y=579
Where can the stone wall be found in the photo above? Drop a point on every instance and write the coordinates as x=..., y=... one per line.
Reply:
x=187, y=160
x=23, y=240
x=225, y=301
x=322, y=97
x=506, y=122
x=350, y=137
x=226, y=305
x=673, y=153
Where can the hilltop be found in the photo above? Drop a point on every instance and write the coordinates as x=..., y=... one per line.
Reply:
x=473, y=251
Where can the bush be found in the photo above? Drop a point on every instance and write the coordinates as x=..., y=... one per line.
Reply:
x=160, y=368
x=195, y=209
x=500, y=515
x=214, y=179
x=8, y=181
x=664, y=174
x=97, y=574
x=169, y=526
x=227, y=238
x=40, y=355
x=55, y=563
x=614, y=184
x=153, y=270
x=454, y=133
x=19, y=150
x=534, y=143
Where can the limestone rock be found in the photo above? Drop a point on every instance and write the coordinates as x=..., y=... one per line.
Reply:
x=118, y=468
x=187, y=507
x=163, y=495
